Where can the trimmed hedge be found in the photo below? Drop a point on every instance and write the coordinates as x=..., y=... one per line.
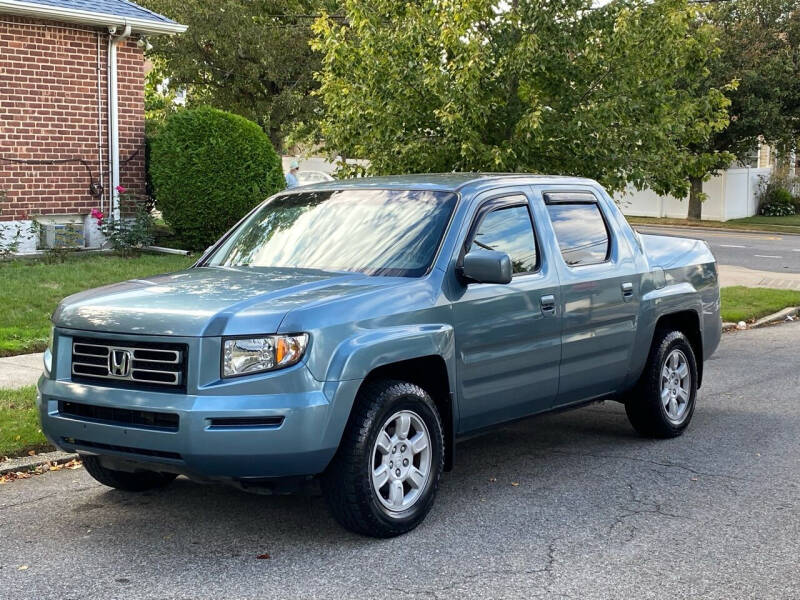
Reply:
x=208, y=168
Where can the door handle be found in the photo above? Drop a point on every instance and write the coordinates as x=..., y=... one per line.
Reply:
x=548, y=304
x=627, y=291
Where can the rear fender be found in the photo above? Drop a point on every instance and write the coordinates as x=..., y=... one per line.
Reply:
x=656, y=304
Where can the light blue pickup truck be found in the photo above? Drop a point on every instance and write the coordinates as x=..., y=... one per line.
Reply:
x=353, y=330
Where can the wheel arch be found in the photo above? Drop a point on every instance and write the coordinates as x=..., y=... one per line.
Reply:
x=430, y=373
x=688, y=323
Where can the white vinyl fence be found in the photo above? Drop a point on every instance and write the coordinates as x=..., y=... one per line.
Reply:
x=731, y=195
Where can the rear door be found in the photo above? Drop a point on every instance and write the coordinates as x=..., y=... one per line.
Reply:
x=599, y=295
x=507, y=336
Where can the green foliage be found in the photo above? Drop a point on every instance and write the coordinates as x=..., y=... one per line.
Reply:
x=781, y=206
x=250, y=57
x=550, y=87
x=758, y=68
x=127, y=235
x=759, y=41
x=160, y=99
x=775, y=196
x=208, y=168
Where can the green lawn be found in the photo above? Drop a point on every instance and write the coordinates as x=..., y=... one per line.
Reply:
x=31, y=289
x=793, y=220
x=19, y=423
x=774, y=224
x=746, y=304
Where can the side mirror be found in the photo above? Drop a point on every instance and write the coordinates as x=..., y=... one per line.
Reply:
x=487, y=266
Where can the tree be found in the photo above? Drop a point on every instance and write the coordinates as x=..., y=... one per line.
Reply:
x=560, y=87
x=759, y=44
x=250, y=57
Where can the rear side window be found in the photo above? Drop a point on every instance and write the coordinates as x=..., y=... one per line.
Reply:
x=509, y=230
x=581, y=232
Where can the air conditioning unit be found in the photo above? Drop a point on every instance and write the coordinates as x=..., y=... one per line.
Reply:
x=62, y=235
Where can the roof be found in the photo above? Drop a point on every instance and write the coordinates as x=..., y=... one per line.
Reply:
x=106, y=13
x=443, y=182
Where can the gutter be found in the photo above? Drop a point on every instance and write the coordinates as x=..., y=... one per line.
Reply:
x=97, y=19
x=113, y=112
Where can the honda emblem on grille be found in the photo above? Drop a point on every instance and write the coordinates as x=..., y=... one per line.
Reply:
x=119, y=362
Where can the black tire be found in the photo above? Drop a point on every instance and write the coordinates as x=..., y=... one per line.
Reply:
x=347, y=482
x=644, y=406
x=139, y=481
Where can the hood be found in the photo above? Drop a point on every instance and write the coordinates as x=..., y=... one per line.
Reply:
x=207, y=301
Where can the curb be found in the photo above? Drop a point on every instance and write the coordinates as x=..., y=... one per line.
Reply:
x=28, y=463
x=719, y=229
x=773, y=319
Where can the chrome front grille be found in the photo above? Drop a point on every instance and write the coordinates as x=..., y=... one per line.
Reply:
x=151, y=364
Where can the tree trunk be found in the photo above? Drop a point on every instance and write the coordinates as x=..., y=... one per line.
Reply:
x=695, y=198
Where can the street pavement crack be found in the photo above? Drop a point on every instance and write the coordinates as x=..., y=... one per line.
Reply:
x=671, y=465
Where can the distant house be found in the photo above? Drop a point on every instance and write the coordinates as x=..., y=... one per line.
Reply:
x=71, y=111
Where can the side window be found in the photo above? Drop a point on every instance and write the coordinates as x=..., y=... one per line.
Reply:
x=581, y=232
x=509, y=230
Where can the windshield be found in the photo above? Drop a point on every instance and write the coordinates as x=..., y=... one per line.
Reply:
x=377, y=232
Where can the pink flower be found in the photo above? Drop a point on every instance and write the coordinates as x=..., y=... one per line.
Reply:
x=120, y=189
x=98, y=216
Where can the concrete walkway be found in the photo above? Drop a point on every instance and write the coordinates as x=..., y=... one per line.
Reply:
x=19, y=371
x=730, y=276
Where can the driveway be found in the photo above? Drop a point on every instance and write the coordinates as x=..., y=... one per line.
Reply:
x=571, y=505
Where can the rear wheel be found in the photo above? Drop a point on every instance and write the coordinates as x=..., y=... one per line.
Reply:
x=138, y=481
x=662, y=404
x=383, y=479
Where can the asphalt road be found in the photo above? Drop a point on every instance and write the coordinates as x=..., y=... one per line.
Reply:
x=775, y=252
x=596, y=512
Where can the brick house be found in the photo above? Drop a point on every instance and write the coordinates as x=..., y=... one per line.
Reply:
x=71, y=113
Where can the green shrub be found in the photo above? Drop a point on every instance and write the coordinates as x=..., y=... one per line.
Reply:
x=775, y=196
x=129, y=234
x=779, y=203
x=209, y=168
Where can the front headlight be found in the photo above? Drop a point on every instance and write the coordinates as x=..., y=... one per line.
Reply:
x=245, y=356
x=48, y=353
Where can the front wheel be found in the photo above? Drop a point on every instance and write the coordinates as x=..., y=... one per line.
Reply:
x=662, y=404
x=383, y=479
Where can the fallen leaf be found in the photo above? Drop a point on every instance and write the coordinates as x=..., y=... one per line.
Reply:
x=31, y=452
x=515, y=483
x=22, y=568
x=694, y=478
x=263, y=556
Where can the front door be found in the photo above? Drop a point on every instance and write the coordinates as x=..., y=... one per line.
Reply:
x=507, y=336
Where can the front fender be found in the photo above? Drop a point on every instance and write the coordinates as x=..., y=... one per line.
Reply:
x=367, y=350
x=357, y=356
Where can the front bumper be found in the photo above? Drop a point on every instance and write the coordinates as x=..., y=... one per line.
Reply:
x=312, y=417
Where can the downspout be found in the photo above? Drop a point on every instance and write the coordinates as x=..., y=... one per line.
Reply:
x=113, y=113
x=100, y=129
